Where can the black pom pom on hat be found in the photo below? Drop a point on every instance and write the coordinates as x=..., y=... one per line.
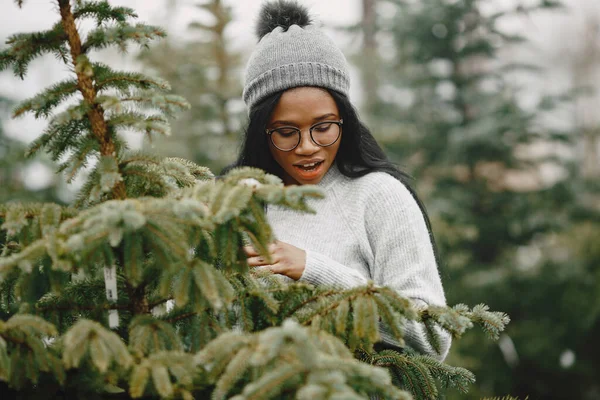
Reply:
x=283, y=13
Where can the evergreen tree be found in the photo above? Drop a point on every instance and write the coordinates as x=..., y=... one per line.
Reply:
x=13, y=164
x=141, y=288
x=449, y=110
x=203, y=71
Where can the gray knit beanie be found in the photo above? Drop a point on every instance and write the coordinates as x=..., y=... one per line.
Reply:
x=292, y=52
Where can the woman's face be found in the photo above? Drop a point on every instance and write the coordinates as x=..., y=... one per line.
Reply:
x=303, y=107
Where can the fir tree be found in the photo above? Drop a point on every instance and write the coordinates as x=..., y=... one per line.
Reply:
x=13, y=165
x=141, y=288
x=203, y=70
x=450, y=110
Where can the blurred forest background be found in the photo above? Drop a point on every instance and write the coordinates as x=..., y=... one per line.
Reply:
x=491, y=105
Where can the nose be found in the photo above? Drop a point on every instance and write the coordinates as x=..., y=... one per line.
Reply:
x=306, y=145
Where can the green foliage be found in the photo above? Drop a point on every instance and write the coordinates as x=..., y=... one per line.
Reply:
x=159, y=369
x=88, y=341
x=202, y=68
x=276, y=360
x=23, y=354
x=450, y=111
x=120, y=35
x=148, y=335
x=13, y=164
x=25, y=47
x=124, y=82
x=503, y=398
x=142, y=288
x=43, y=104
x=103, y=12
x=415, y=373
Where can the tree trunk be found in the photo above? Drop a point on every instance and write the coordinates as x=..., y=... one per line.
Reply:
x=370, y=81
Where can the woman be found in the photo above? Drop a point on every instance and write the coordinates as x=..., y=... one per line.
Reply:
x=304, y=129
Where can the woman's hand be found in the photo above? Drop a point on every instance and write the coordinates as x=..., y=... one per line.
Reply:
x=287, y=260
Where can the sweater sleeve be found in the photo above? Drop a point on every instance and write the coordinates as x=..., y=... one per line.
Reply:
x=403, y=259
x=322, y=270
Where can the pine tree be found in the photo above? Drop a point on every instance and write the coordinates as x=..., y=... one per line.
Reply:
x=203, y=70
x=449, y=109
x=13, y=182
x=470, y=129
x=13, y=164
x=9, y=148
x=141, y=288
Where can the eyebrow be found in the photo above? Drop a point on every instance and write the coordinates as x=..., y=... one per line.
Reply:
x=317, y=119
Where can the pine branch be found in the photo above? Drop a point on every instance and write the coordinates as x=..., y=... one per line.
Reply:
x=139, y=157
x=150, y=176
x=78, y=160
x=292, y=360
x=459, y=318
x=157, y=303
x=22, y=338
x=103, y=12
x=160, y=368
x=25, y=212
x=456, y=377
x=62, y=137
x=358, y=328
x=235, y=369
x=23, y=259
x=197, y=171
x=88, y=340
x=124, y=82
x=209, y=324
x=155, y=124
x=182, y=317
x=121, y=34
x=43, y=103
x=412, y=373
x=316, y=297
x=78, y=307
x=151, y=180
x=24, y=47
x=168, y=104
x=148, y=335
x=346, y=295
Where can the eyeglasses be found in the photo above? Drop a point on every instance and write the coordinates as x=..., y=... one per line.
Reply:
x=287, y=138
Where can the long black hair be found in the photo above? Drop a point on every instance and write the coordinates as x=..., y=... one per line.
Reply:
x=358, y=154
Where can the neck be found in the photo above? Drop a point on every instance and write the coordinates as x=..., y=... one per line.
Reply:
x=332, y=174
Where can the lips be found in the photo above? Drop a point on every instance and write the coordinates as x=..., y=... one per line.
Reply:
x=309, y=171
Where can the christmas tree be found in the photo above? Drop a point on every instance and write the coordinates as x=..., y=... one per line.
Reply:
x=510, y=234
x=203, y=69
x=14, y=167
x=141, y=287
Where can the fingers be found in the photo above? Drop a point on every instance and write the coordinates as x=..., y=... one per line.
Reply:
x=261, y=264
x=273, y=268
x=250, y=251
x=254, y=258
x=257, y=261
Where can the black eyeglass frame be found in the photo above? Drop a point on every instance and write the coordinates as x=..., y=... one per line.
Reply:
x=310, y=131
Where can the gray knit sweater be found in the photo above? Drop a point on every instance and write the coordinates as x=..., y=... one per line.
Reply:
x=367, y=228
